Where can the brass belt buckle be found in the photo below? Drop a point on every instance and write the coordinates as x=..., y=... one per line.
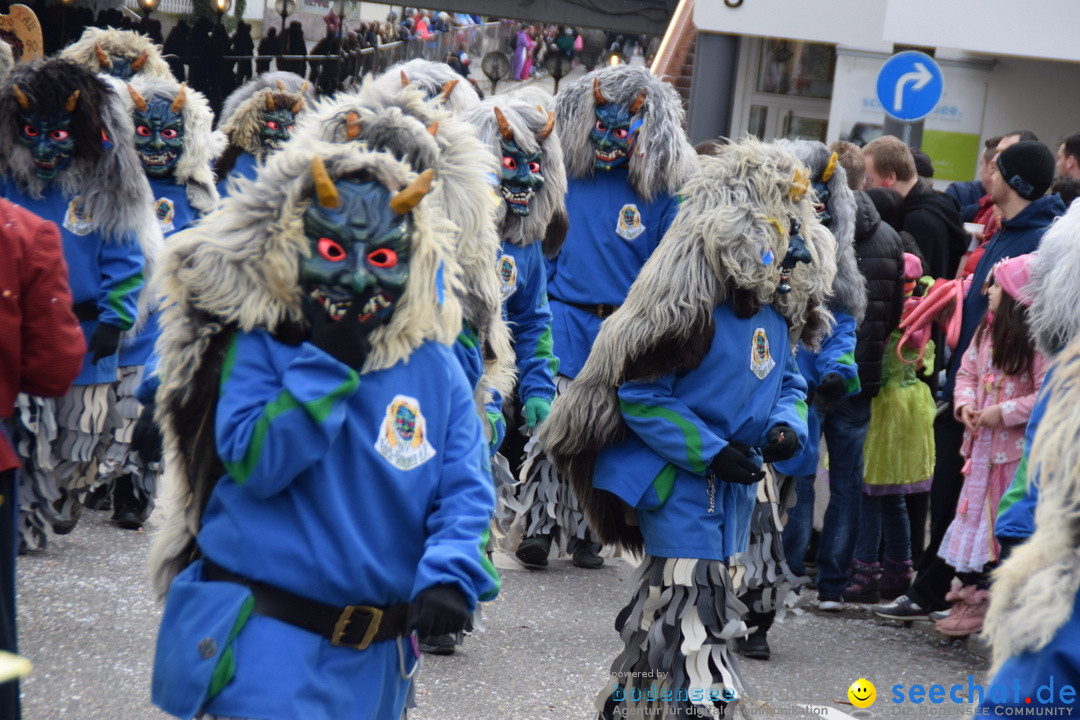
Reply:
x=346, y=617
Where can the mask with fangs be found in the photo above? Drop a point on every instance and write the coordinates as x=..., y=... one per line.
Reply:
x=797, y=253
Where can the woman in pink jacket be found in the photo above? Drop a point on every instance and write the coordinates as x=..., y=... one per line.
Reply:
x=999, y=377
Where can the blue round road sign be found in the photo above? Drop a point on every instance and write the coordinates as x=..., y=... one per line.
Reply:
x=909, y=85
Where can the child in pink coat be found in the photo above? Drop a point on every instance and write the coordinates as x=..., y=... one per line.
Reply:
x=999, y=377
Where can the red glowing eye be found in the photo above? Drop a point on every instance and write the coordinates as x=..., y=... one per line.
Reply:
x=59, y=134
x=534, y=167
x=509, y=163
x=170, y=134
x=331, y=250
x=272, y=125
x=142, y=131
x=622, y=133
x=601, y=126
x=30, y=130
x=383, y=258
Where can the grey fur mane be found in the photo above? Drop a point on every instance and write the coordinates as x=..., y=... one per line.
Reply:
x=126, y=43
x=293, y=83
x=1055, y=280
x=526, y=119
x=430, y=78
x=663, y=159
x=7, y=61
x=849, y=289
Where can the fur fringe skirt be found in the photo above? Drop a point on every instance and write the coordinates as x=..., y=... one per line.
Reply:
x=761, y=575
x=118, y=456
x=677, y=629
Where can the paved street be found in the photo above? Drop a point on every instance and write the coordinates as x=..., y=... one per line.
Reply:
x=87, y=622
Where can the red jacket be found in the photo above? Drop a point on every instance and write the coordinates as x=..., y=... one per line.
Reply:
x=41, y=343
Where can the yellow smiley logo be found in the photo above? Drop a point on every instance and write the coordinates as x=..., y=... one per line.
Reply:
x=862, y=693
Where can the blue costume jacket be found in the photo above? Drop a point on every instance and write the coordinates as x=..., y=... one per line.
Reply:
x=1016, y=513
x=746, y=384
x=612, y=233
x=105, y=272
x=342, y=488
x=246, y=167
x=523, y=279
x=837, y=355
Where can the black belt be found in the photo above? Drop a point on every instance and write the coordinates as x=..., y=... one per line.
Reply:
x=355, y=626
x=600, y=310
x=85, y=311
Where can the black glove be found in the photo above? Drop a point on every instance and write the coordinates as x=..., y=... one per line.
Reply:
x=439, y=610
x=104, y=342
x=830, y=391
x=146, y=437
x=345, y=339
x=732, y=465
x=780, y=444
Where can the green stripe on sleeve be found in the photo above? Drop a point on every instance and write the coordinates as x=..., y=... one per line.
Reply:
x=226, y=664
x=800, y=408
x=115, y=299
x=664, y=482
x=544, y=345
x=847, y=358
x=489, y=567
x=691, y=435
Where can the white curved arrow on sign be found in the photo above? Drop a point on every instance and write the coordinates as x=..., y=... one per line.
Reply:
x=920, y=76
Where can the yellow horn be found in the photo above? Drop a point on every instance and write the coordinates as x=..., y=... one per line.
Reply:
x=72, y=101
x=270, y=101
x=433, y=128
x=800, y=184
x=281, y=86
x=638, y=102
x=352, y=126
x=139, y=100
x=298, y=105
x=545, y=131
x=597, y=95
x=324, y=186
x=181, y=98
x=504, y=127
x=20, y=97
x=404, y=79
x=830, y=167
x=410, y=197
x=102, y=56
x=137, y=63
x=448, y=88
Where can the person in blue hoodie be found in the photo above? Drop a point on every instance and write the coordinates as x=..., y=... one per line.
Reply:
x=175, y=145
x=66, y=155
x=626, y=158
x=690, y=386
x=337, y=491
x=1021, y=175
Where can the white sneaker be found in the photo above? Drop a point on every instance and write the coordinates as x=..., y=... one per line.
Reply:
x=831, y=605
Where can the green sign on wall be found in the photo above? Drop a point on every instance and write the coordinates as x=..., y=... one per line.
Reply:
x=955, y=155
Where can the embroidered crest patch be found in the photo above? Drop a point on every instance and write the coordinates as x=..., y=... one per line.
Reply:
x=165, y=211
x=507, y=267
x=403, y=436
x=75, y=219
x=761, y=362
x=629, y=226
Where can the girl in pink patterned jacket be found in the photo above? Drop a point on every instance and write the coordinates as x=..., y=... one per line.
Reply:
x=996, y=385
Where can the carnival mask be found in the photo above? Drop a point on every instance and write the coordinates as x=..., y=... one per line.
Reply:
x=159, y=133
x=821, y=188
x=119, y=66
x=359, y=233
x=276, y=128
x=797, y=253
x=520, y=177
x=615, y=130
x=49, y=140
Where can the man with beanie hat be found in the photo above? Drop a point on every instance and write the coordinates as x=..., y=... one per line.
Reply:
x=1021, y=174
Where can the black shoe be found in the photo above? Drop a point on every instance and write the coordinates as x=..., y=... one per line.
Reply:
x=129, y=512
x=902, y=608
x=586, y=555
x=100, y=498
x=74, y=509
x=754, y=646
x=438, y=644
x=533, y=552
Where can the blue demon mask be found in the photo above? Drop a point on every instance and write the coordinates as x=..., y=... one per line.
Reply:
x=521, y=176
x=119, y=66
x=615, y=129
x=797, y=253
x=276, y=128
x=49, y=140
x=159, y=134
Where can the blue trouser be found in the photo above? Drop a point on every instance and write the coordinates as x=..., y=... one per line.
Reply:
x=883, y=517
x=844, y=428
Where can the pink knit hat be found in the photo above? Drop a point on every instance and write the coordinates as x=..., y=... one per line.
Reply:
x=1012, y=274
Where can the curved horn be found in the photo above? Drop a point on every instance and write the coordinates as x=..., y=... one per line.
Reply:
x=139, y=100
x=181, y=98
x=830, y=167
x=448, y=88
x=545, y=131
x=270, y=102
x=298, y=105
x=638, y=102
x=800, y=184
x=433, y=128
x=404, y=79
x=137, y=63
x=352, y=126
x=102, y=56
x=324, y=186
x=410, y=197
x=303, y=87
x=72, y=101
x=504, y=127
x=597, y=95
x=20, y=97
x=281, y=86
